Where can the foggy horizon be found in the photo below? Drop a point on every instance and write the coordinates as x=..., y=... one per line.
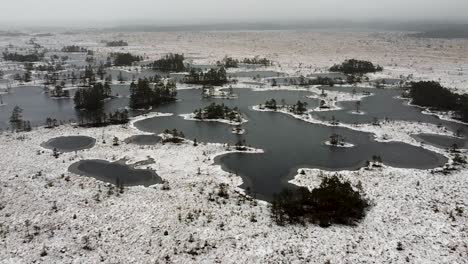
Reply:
x=107, y=13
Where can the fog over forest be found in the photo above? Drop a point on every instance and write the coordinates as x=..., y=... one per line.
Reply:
x=111, y=13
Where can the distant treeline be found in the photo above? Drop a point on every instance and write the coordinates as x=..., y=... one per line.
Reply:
x=448, y=31
x=116, y=43
x=354, y=66
x=258, y=60
x=22, y=57
x=74, y=48
x=431, y=94
x=303, y=81
x=229, y=62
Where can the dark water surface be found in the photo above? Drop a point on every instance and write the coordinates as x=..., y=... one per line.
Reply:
x=115, y=172
x=143, y=140
x=441, y=141
x=288, y=143
x=70, y=143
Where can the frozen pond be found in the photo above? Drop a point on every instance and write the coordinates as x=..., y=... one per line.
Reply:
x=69, y=144
x=115, y=172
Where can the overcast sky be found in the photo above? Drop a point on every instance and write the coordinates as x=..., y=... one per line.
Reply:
x=88, y=12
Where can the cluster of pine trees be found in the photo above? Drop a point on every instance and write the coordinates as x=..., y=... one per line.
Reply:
x=432, y=94
x=354, y=66
x=26, y=77
x=170, y=63
x=257, y=60
x=298, y=108
x=59, y=92
x=91, y=99
x=228, y=62
x=145, y=94
x=16, y=120
x=271, y=104
x=90, y=102
x=125, y=59
x=212, y=77
x=218, y=111
x=99, y=118
x=333, y=202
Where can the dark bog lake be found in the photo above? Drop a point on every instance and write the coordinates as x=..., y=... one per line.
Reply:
x=69, y=144
x=37, y=105
x=143, y=140
x=115, y=172
x=288, y=143
x=441, y=141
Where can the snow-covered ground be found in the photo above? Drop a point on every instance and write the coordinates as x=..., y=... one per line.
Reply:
x=74, y=218
x=295, y=53
x=48, y=215
x=339, y=145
